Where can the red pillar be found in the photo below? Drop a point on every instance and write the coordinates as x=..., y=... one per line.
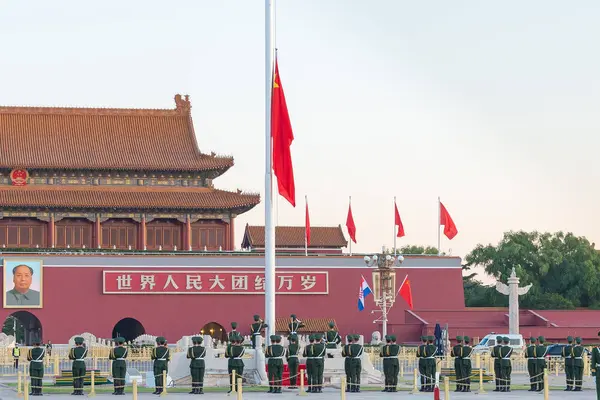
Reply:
x=51, y=231
x=143, y=234
x=188, y=233
x=98, y=230
x=231, y=234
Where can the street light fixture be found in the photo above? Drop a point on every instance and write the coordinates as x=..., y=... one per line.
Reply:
x=384, y=284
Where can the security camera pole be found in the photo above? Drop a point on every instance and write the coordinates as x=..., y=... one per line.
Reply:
x=384, y=284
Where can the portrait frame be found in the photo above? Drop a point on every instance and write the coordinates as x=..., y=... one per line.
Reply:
x=37, y=282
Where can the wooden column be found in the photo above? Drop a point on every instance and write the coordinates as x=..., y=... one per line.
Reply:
x=143, y=233
x=51, y=231
x=188, y=233
x=231, y=233
x=98, y=232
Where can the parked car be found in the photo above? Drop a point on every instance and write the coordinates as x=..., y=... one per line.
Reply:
x=555, y=350
x=489, y=341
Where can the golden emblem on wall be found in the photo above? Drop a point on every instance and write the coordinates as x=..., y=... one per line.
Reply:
x=19, y=177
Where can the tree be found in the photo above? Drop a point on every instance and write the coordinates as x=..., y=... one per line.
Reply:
x=563, y=268
x=8, y=328
x=416, y=250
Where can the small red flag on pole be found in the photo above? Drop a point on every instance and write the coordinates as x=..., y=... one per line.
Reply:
x=306, y=228
x=350, y=225
x=282, y=136
x=445, y=219
x=405, y=292
x=398, y=221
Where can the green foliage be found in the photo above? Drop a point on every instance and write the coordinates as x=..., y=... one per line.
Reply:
x=8, y=328
x=564, y=270
x=416, y=250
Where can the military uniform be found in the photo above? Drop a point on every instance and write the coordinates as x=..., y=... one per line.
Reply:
x=333, y=338
x=356, y=364
x=293, y=351
x=119, y=366
x=196, y=355
x=430, y=364
x=457, y=353
x=566, y=353
x=347, y=354
x=421, y=357
x=294, y=325
x=308, y=354
x=234, y=352
x=541, y=351
x=595, y=365
x=577, y=352
x=467, y=367
x=161, y=356
x=78, y=354
x=496, y=357
x=35, y=356
x=256, y=329
x=234, y=333
x=391, y=365
x=318, y=352
x=275, y=354
x=531, y=354
x=505, y=365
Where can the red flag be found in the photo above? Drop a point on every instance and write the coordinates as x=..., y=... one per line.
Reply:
x=405, y=292
x=307, y=225
x=449, y=228
x=398, y=222
x=282, y=135
x=350, y=224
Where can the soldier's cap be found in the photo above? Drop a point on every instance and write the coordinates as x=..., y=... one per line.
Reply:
x=506, y=339
x=498, y=338
x=161, y=340
x=234, y=325
x=120, y=340
x=569, y=339
x=273, y=338
x=356, y=337
x=256, y=317
x=36, y=341
x=293, y=337
x=467, y=339
x=331, y=324
x=430, y=338
x=423, y=338
x=532, y=339
x=78, y=340
x=278, y=338
x=541, y=339
x=311, y=337
x=393, y=337
x=388, y=338
x=459, y=338
x=578, y=340
x=293, y=316
x=350, y=337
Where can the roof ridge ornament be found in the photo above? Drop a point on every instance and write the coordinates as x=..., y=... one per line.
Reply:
x=182, y=103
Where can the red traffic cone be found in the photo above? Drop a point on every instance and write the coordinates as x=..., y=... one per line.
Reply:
x=436, y=393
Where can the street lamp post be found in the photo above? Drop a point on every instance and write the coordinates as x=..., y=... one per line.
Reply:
x=384, y=284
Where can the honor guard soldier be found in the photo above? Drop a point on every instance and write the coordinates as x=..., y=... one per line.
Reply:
x=497, y=364
x=356, y=364
x=234, y=333
x=391, y=365
x=333, y=338
x=541, y=351
x=161, y=356
x=505, y=365
x=78, y=354
x=421, y=357
x=566, y=354
x=294, y=325
x=275, y=354
x=318, y=351
x=256, y=329
x=531, y=355
x=293, y=351
x=196, y=355
x=577, y=352
x=119, y=366
x=457, y=353
x=35, y=356
x=383, y=352
x=234, y=353
x=467, y=367
x=347, y=354
x=430, y=364
x=310, y=364
x=595, y=365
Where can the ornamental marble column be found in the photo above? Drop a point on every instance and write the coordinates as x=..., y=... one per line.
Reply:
x=513, y=291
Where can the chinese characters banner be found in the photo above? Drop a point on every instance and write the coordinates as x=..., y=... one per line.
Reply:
x=212, y=282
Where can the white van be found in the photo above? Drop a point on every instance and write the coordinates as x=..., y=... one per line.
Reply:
x=489, y=341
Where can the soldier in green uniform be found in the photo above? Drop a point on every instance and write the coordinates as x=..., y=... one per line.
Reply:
x=275, y=354
x=505, y=365
x=430, y=364
x=383, y=352
x=356, y=363
x=234, y=353
x=391, y=365
x=421, y=357
x=457, y=353
x=256, y=329
x=595, y=365
x=318, y=351
x=308, y=351
x=196, y=355
x=531, y=355
x=347, y=354
x=293, y=351
x=566, y=354
x=577, y=352
x=541, y=351
x=234, y=333
x=294, y=325
x=333, y=338
x=35, y=356
x=496, y=356
x=161, y=356
x=119, y=366
x=467, y=367
x=77, y=354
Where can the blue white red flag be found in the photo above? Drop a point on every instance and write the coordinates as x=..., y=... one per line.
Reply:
x=364, y=291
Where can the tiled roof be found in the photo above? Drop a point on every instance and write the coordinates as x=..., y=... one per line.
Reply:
x=97, y=138
x=313, y=325
x=55, y=196
x=293, y=236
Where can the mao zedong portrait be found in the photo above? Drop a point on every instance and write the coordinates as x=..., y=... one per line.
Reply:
x=22, y=294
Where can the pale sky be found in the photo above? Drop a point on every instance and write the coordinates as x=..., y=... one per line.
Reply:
x=491, y=105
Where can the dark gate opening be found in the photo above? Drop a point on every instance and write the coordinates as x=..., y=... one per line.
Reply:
x=128, y=328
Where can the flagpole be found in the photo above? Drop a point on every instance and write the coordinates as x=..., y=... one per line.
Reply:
x=394, y=227
x=269, y=227
x=439, y=227
x=350, y=240
x=305, y=227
